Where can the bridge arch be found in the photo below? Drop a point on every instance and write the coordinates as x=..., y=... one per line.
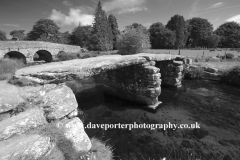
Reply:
x=16, y=55
x=43, y=55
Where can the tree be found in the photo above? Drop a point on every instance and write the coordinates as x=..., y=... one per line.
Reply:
x=177, y=24
x=213, y=41
x=199, y=29
x=114, y=27
x=230, y=35
x=81, y=36
x=43, y=27
x=2, y=36
x=161, y=37
x=142, y=32
x=133, y=41
x=102, y=34
x=18, y=34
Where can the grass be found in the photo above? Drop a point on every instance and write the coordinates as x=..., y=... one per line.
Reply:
x=8, y=67
x=22, y=82
x=191, y=53
x=63, y=56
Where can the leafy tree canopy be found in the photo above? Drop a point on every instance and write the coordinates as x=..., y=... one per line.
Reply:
x=114, y=28
x=161, y=37
x=177, y=24
x=2, y=36
x=81, y=36
x=18, y=34
x=230, y=34
x=199, y=29
x=43, y=27
x=102, y=34
x=213, y=41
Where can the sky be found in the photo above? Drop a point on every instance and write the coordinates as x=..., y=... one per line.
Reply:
x=22, y=14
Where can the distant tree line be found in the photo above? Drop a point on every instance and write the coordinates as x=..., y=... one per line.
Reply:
x=104, y=34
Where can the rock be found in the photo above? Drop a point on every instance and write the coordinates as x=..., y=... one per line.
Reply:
x=9, y=97
x=210, y=70
x=26, y=147
x=189, y=61
x=200, y=133
x=178, y=63
x=73, y=114
x=21, y=123
x=59, y=101
x=73, y=130
x=211, y=76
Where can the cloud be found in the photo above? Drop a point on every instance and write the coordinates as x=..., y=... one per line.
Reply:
x=234, y=18
x=216, y=5
x=11, y=25
x=74, y=17
x=194, y=8
x=125, y=6
x=67, y=3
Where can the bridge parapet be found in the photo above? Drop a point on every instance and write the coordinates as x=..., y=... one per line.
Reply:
x=27, y=49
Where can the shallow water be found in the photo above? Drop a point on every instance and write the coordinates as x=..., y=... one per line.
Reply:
x=214, y=106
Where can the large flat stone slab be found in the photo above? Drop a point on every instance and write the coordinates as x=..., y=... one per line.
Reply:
x=83, y=68
x=59, y=101
x=21, y=123
x=73, y=130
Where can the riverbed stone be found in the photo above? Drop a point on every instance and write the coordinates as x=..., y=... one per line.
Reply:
x=27, y=147
x=73, y=130
x=59, y=101
x=21, y=123
x=210, y=70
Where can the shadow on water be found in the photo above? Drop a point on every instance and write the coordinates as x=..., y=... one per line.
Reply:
x=214, y=106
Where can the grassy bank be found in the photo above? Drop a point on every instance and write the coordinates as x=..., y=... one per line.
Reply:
x=8, y=67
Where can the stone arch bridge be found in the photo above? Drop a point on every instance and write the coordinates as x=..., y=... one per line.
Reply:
x=30, y=51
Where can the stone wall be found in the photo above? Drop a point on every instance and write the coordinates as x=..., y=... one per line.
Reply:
x=171, y=72
x=40, y=123
x=137, y=83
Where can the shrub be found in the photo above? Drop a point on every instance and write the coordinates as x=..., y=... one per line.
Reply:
x=101, y=150
x=22, y=82
x=193, y=72
x=133, y=41
x=8, y=67
x=229, y=56
x=231, y=76
x=63, y=56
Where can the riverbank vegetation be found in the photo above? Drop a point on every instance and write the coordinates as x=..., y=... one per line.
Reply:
x=8, y=67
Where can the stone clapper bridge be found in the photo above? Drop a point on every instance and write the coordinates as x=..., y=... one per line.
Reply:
x=136, y=78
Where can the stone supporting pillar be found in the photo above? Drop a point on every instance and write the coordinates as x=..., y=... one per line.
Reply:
x=171, y=72
x=137, y=83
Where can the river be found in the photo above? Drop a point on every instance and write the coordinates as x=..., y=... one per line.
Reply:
x=214, y=106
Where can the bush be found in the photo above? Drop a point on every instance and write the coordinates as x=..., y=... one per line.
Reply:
x=231, y=76
x=133, y=41
x=63, y=56
x=229, y=56
x=8, y=67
